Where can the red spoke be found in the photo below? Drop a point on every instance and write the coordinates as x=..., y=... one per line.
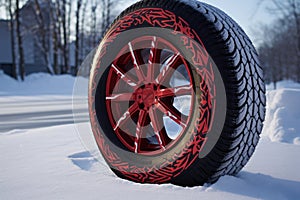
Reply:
x=121, y=97
x=164, y=137
x=124, y=76
x=153, y=58
x=137, y=62
x=176, y=91
x=126, y=116
x=156, y=127
x=139, y=133
x=169, y=69
x=173, y=113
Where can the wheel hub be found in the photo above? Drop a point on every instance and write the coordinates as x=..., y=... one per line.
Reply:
x=146, y=96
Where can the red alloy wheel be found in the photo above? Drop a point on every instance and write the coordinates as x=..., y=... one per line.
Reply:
x=145, y=88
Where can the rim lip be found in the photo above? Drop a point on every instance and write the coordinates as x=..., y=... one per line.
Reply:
x=109, y=108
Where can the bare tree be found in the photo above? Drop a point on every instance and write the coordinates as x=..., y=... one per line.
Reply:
x=278, y=52
x=290, y=12
x=42, y=35
x=109, y=4
x=107, y=14
x=79, y=3
x=69, y=10
x=9, y=8
x=59, y=20
x=20, y=42
x=55, y=33
x=82, y=30
x=94, y=5
x=65, y=67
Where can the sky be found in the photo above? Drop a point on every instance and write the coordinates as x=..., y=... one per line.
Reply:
x=247, y=13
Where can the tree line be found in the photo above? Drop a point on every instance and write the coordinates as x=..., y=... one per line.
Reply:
x=83, y=22
x=55, y=24
x=280, y=49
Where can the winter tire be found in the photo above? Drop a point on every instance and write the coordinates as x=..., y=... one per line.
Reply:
x=176, y=94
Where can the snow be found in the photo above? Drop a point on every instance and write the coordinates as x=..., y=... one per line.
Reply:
x=283, y=113
x=51, y=163
x=38, y=84
x=45, y=155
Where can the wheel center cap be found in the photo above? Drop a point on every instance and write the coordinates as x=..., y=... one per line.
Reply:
x=148, y=97
x=145, y=95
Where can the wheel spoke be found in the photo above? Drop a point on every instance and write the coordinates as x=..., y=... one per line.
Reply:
x=137, y=62
x=126, y=116
x=121, y=97
x=157, y=128
x=173, y=113
x=138, y=132
x=169, y=69
x=124, y=76
x=154, y=57
x=176, y=91
x=164, y=136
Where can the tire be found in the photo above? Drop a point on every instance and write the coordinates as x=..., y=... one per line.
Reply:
x=176, y=94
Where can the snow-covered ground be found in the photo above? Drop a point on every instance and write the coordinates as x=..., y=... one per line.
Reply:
x=44, y=155
x=41, y=101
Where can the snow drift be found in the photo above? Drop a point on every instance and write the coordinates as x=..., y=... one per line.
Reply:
x=283, y=113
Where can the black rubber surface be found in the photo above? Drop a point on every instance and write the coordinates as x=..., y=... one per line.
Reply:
x=237, y=59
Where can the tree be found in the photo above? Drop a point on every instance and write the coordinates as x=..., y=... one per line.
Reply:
x=65, y=37
x=82, y=29
x=20, y=42
x=289, y=10
x=61, y=13
x=107, y=14
x=94, y=6
x=11, y=11
x=54, y=29
x=278, y=52
x=280, y=49
x=49, y=25
x=42, y=35
x=79, y=3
